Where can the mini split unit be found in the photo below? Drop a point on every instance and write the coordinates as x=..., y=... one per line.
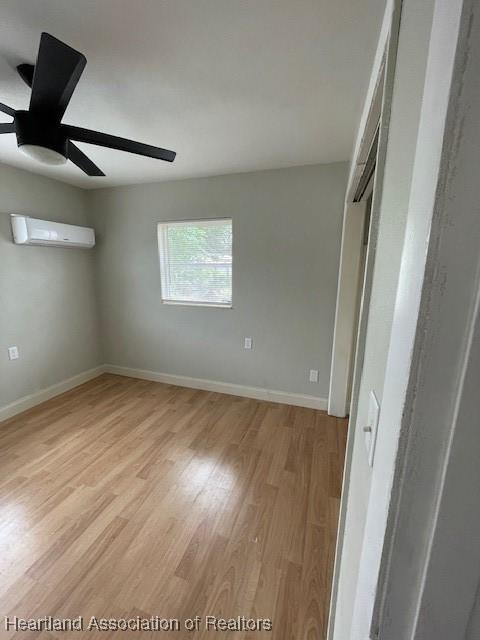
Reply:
x=30, y=231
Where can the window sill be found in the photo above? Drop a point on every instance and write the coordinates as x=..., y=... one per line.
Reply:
x=204, y=305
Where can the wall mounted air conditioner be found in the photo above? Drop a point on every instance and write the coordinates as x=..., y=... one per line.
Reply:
x=54, y=234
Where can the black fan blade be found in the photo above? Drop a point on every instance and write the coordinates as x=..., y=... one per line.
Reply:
x=6, y=109
x=25, y=71
x=82, y=161
x=57, y=71
x=114, y=142
x=7, y=127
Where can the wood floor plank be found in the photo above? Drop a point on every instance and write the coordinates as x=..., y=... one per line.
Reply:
x=127, y=498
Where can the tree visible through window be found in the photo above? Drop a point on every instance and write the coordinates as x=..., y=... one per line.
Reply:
x=196, y=261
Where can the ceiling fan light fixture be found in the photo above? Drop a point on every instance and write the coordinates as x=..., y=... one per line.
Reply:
x=39, y=129
x=43, y=154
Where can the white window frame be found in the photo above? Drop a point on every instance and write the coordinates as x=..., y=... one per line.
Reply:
x=165, y=265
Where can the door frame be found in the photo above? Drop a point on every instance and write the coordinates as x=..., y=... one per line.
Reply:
x=377, y=108
x=422, y=556
x=347, y=341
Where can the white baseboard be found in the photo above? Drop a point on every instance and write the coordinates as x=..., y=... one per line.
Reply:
x=27, y=402
x=296, y=399
x=283, y=397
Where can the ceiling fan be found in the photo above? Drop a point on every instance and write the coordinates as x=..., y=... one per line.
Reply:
x=40, y=132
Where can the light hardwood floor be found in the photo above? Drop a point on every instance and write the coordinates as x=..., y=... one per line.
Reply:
x=125, y=497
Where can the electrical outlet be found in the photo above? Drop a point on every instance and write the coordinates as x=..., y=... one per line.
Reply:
x=248, y=342
x=313, y=375
x=12, y=353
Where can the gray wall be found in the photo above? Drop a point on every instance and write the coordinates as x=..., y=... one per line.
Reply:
x=47, y=296
x=286, y=243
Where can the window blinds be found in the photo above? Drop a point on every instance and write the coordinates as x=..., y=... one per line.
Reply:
x=196, y=261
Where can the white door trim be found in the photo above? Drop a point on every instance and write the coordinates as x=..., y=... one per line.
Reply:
x=382, y=81
x=346, y=326
x=344, y=335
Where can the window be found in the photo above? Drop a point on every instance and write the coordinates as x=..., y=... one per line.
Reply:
x=196, y=262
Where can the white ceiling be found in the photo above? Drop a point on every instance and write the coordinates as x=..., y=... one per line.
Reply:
x=231, y=85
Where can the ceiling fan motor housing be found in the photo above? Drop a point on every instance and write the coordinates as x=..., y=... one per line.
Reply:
x=36, y=129
x=40, y=133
